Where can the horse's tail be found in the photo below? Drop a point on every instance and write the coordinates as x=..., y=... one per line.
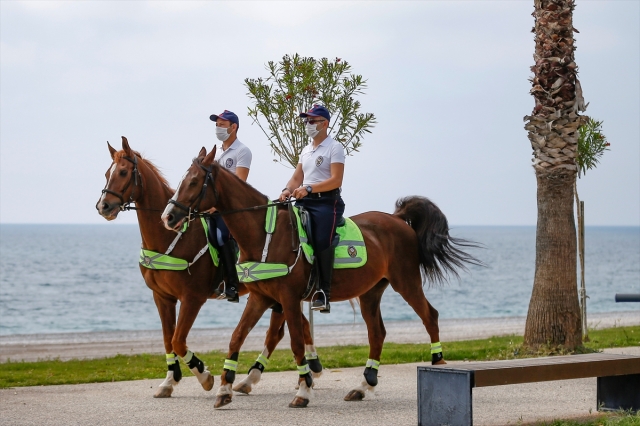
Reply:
x=440, y=254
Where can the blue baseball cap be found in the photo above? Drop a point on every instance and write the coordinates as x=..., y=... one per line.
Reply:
x=226, y=115
x=317, y=111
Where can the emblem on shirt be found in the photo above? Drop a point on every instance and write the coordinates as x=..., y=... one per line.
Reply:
x=352, y=251
x=228, y=163
x=319, y=161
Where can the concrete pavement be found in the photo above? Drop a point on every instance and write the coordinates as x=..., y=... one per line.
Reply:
x=395, y=402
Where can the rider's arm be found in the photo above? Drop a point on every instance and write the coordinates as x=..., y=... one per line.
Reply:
x=242, y=173
x=294, y=182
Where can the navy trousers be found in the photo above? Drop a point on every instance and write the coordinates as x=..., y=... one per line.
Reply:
x=325, y=213
x=222, y=232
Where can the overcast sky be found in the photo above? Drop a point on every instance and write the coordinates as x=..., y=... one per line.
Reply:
x=447, y=82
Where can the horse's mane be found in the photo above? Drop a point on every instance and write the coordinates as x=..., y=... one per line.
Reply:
x=120, y=154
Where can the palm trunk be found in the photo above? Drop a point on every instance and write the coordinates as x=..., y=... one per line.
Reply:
x=554, y=312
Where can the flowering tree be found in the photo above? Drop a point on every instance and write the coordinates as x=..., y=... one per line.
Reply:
x=294, y=85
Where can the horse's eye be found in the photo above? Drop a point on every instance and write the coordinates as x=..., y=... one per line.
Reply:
x=192, y=184
x=123, y=172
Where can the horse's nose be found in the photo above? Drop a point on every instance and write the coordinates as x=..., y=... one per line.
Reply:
x=105, y=206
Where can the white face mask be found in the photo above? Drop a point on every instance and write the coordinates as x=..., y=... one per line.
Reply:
x=221, y=134
x=311, y=130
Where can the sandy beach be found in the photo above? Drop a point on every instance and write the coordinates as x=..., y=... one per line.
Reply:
x=104, y=344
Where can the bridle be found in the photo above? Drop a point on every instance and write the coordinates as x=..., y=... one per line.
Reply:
x=192, y=212
x=136, y=178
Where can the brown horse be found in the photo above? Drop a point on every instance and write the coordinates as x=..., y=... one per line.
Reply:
x=131, y=178
x=402, y=248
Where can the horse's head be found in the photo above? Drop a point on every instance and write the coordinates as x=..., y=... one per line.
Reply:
x=124, y=183
x=192, y=193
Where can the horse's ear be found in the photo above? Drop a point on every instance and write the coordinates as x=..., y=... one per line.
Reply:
x=202, y=152
x=126, y=147
x=112, y=150
x=208, y=160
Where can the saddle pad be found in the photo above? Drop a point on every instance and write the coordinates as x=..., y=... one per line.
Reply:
x=351, y=251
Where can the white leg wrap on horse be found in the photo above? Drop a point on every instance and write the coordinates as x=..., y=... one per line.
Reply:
x=304, y=391
x=202, y=377
x=365, y=387
x=224, y=390
x=253, y=378
x=168, y=381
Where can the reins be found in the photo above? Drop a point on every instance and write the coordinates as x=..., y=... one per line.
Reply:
x=193, y=213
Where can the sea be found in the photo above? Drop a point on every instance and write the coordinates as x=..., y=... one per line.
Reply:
x=83, y=278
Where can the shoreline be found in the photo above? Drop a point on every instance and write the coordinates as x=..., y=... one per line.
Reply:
x=101, y=344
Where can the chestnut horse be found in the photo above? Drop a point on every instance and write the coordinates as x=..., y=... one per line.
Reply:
x=402, y=248
x=131, y=178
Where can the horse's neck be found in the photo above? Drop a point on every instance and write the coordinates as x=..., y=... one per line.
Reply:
x=247, y=227
x=150, y=204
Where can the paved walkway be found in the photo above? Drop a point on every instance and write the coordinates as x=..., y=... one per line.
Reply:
x=103, y=344
x=395, y=402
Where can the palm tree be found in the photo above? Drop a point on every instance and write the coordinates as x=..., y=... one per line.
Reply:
x=554, y=314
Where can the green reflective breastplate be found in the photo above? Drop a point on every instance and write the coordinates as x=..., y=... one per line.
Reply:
x=160, y=261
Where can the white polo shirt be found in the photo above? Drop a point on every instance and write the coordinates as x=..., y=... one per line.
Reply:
x=316, y=162
x=237, y=155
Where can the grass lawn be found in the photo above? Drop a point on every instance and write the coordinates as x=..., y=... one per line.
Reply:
x=614, y=419
x=145, y=366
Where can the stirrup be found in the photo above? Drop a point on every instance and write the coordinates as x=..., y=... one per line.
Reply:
x=224, y=295
x=317, y=305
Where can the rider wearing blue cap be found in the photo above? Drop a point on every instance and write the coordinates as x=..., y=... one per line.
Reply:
x=315, y=184
x=234, y=156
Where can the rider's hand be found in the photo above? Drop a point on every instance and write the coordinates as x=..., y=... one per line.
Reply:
x=285, y=194
x=299, y=193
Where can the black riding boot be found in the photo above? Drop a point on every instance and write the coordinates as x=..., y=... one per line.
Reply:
x=325, y=270
x=228, y=263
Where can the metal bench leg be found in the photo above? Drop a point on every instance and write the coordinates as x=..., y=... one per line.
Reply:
x=444, y=397
x=619, y=392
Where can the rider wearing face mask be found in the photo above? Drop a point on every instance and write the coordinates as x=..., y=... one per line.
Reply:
x=234, y=156
x=315, y=184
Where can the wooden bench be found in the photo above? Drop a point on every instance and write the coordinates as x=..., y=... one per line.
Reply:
x=445, y=391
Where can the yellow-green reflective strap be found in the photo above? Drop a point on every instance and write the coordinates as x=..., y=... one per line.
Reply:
x=212, y=250
x=310, y=355
x=171, y=359
x=187, y=357
x=153, y=260
x=373, y=364
x=263, y=360
x=249, y=272
x=272, y=215
x=303, y=369
x=230, y=365
x=436, y=348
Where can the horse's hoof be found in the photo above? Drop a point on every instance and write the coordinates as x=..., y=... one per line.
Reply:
x=222, y=400
x=208, y=384
x=316, y=375
x=163, y=392
x=243, y=388
x=441, y=362
x=299, y=402
x=354, y=395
